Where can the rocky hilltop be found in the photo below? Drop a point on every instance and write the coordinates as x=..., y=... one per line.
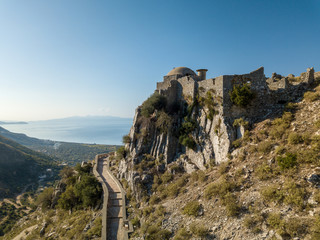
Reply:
x=193, y=120
x=231, y=157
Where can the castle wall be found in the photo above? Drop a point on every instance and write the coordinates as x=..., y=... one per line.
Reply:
x=206, y=85
x=188, y=85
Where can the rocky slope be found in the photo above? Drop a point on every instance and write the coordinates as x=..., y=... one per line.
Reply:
x=20, y=166
x=190, y=171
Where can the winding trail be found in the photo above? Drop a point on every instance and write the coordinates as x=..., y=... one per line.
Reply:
x=115, y=225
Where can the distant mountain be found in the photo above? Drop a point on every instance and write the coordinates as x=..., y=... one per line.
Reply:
x=24, y=140
x=4, y=123
x=20, y=166
x=70, y=153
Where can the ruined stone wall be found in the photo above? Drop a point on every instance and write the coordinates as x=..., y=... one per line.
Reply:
x=278, y=84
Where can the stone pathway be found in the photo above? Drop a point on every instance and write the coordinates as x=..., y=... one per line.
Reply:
x=115, y=229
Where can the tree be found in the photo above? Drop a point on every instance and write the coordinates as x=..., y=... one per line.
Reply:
x=241, y=95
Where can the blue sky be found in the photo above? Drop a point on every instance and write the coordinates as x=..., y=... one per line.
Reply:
x=64, y=58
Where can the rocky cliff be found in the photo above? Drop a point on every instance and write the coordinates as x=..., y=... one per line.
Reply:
x=193, y=122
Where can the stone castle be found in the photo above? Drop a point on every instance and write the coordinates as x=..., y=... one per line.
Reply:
x=213, y=135
x=183, y=82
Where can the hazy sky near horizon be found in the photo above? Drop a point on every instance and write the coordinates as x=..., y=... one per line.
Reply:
x=78, y=57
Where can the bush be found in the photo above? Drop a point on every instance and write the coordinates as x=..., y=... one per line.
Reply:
x=68, y=199
x=154, y=102
x=188, y=141
x=241, y=95
x=253, y=222
x=164, y=122
x=311, y=96
x=264, y=172
x=126, y=139
x=198, y=176
x=199, y=230
x=121, y=152
x=166, y=177
x=191, y=208
x=317, y=123
x=294, y=194
x=154, y=232
x=220, y=188
x=287, y=161
x=229, y=200
x=182, y=234
x=265, y=147
x=45, y=198
x=295, y=138
x=135, y=222
x=272, y=193
x=275, y=221
x=240, y=122
x=154, y=199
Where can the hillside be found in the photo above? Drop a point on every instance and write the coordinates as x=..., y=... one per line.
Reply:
x=69, y=209
x=20, y=166
x=240, y=165
x=70, y=153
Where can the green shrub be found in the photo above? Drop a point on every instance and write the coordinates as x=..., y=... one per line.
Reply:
x=44, y=199
x=295, y=138
x=229, y=200
x=198, y=176
x=241, y=95
x=96, y=229
x=295, y=227
x=154, y=232
x=272, y=193
x=265, y=147
x=154, y=102
x=135, y=222
x=289, y=160
x=68, y=199
x=294, y=194
x=126, y=139
x=185, y=136
x=191, y=208
x=311, y=96
x=187, y=141
x=166, y=177
x=264, y=171
x=154, y=199
x=315, y=229
x=199, y=230
x=275, y=222
x=317, y=123
x=240, y=122
x=291, y=106
x=253, y=222
x=121, y=152
x=164, y=122
x=182, y=234
x=219, y=189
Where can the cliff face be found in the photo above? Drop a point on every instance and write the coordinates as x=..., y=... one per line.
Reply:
x=194, y=122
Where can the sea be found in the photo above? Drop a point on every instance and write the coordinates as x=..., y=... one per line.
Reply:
x=93, y=129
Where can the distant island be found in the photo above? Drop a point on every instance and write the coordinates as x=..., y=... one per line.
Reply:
x=5, y=123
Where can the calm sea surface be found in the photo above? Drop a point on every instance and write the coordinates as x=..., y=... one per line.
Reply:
x=100, y=130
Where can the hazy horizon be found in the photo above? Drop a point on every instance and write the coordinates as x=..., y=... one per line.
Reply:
x=66, y=117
